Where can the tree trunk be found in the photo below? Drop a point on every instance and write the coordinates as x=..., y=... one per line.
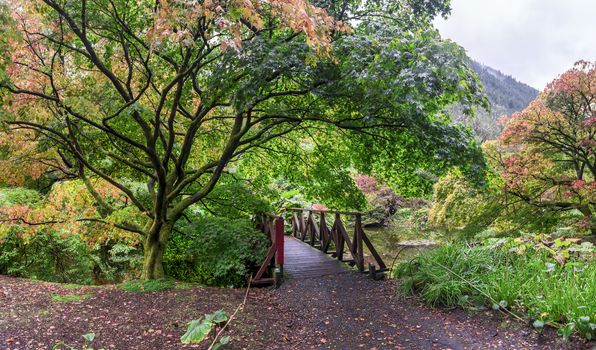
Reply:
x=584, y=209
x=154, y=247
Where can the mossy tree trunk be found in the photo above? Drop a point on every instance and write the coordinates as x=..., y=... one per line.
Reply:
x=154, y=247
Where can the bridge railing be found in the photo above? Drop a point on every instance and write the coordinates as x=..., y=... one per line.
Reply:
x=310, y=225
x=273, y=227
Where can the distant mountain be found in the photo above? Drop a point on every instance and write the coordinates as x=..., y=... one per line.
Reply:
x=506, y=96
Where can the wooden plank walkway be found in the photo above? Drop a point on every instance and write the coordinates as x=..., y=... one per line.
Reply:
x=303, y=261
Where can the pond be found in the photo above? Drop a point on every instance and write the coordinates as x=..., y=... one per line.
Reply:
x=400, y=242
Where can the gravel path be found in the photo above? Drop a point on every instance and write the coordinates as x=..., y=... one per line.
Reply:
x=351, y=311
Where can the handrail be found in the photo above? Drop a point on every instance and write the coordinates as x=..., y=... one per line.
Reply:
x=273, y=227
x=325, y=211
x=322, y=237
x=331, y=240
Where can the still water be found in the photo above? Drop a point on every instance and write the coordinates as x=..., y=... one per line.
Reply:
x=398, y=243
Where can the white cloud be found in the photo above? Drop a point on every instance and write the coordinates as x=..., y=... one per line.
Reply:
x=532, y=40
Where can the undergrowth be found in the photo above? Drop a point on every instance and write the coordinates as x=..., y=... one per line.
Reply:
x=545, y=284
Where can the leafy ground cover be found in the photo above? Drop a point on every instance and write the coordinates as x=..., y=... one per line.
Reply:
x=541, y=280
x=347, y=311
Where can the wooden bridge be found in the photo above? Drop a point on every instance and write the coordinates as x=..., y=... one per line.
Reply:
x=313, y=248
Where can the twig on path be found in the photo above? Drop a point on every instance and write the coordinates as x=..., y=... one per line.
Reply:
x=232, y=316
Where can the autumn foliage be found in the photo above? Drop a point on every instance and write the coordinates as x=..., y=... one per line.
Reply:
x=548, y=157
x=160, y=100
x=68, y=209
x=99, y=90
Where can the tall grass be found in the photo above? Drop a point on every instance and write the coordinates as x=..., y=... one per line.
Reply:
x=530, y=285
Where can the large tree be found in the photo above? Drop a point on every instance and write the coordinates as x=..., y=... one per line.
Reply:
x=548, y=157
x=177, y=93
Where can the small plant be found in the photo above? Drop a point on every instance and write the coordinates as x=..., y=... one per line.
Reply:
x=88, y=339
x=199, y=330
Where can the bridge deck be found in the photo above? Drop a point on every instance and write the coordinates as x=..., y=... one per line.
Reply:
x=303, y=261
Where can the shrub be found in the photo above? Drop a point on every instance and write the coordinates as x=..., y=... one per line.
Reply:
x=54, y=257
x=48, y=257
x=116, y=260
x=461, y=208
x=18, y=196
x=42, y=238
x=215, y=251
x=525, y=276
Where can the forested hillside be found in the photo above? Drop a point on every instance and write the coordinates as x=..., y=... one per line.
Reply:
x=506, y=96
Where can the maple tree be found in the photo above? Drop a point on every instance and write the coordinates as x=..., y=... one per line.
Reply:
x=161, y=99
x=547, y=157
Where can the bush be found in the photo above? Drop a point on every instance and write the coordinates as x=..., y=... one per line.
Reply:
x=53, y=257
x=18, y=196
x=115, y=261
x=525, y=277
x=67, y=249
x=48, y=257
x=467, y=211
x=215, y=251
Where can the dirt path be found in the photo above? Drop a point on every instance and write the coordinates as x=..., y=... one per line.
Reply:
x=338, y=312
x=354, y=312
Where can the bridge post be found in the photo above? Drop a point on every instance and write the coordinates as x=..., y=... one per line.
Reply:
x=279, y=243
x=302, y=226
x=339, y=245
x=358, y=242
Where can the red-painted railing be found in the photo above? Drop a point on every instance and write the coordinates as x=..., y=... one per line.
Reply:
x=271, y=269
x=310, y=226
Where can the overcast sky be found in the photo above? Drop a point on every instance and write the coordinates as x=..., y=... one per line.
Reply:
x=531, y=40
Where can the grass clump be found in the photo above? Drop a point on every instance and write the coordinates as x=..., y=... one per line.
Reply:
x=69, y=298
x=528, y=280
x=432, y=275
x=140, y=286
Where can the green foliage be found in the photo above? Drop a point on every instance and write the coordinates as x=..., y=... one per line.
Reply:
x=117, y=260
x=199, y=330
x=530, y=282
x=55, y=257
x=18, y=196
x=215, y=251
x=316, y=168
x=234, y=198
x=471, y=212
x=138, y=286
x=69, y=298
x=458, y=205
x=48, y=257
